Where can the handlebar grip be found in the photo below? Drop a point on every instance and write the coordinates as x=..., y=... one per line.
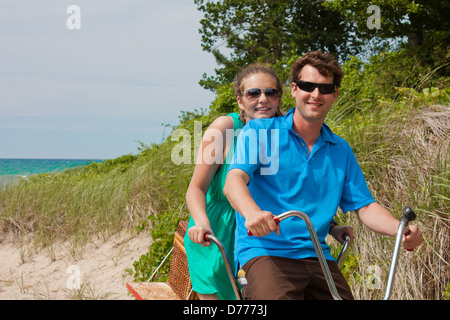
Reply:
x=275, y=218
x=408, y=214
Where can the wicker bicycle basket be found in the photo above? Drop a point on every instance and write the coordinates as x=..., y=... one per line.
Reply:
x=179, y=279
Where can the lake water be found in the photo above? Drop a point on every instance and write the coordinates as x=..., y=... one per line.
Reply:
x=12, y=169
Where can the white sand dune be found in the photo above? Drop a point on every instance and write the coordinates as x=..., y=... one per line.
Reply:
x=98, y=272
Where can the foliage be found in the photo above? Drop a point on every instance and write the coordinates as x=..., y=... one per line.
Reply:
x=269, y=31
x=423, y=23
x=383, y=75
x=162, y=231
x=277, y=32
x=446, y=293
x=416, y=19
x=225, y=101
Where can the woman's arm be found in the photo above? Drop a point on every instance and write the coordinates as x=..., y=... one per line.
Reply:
x=206, y=167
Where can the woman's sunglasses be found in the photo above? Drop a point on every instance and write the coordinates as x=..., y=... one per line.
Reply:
x=255, y=93
x=324, y=88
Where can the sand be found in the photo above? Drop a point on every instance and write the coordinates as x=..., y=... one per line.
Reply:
x=97, y=272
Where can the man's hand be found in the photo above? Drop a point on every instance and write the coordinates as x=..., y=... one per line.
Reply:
x=412, y=238
x=261, y=223
x=340, y=232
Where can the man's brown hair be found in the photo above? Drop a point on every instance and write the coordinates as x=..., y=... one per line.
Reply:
x=324, y=62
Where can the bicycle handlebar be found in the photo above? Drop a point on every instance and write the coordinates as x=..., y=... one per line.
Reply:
x=408, y=215
x=234, y=283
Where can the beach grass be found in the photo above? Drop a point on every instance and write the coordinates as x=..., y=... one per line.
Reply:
x=402, y=146
x=99, y=200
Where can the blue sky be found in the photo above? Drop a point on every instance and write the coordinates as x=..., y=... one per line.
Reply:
x=91, y=93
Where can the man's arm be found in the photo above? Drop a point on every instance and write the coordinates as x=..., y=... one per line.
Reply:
x=259, y=222
x=380, y=220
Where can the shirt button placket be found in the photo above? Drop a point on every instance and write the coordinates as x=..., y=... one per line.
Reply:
x=306, y=150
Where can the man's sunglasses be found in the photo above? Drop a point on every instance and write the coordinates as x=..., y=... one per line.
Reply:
x=255, y=93
x=324, y=88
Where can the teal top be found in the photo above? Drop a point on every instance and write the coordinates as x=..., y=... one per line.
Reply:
x=206, y=267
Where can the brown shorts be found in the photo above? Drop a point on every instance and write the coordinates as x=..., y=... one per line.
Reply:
x=277, y=278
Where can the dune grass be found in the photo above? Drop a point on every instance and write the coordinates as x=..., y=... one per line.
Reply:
x=403, y=148
x=98, y=200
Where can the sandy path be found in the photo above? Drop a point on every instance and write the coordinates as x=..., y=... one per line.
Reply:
x=100, y=272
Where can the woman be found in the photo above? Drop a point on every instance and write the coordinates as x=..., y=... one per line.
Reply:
x=258, y=92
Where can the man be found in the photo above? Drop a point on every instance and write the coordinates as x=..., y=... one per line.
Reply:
x=299, y=164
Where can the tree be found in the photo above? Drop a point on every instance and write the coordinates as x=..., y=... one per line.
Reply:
x=270, y=31
x=278, y=31
x=418, y=20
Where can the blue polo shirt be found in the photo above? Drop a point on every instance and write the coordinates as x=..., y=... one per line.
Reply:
x=285, y=176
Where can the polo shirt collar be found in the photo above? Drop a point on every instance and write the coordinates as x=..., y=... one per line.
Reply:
x=326, y=133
